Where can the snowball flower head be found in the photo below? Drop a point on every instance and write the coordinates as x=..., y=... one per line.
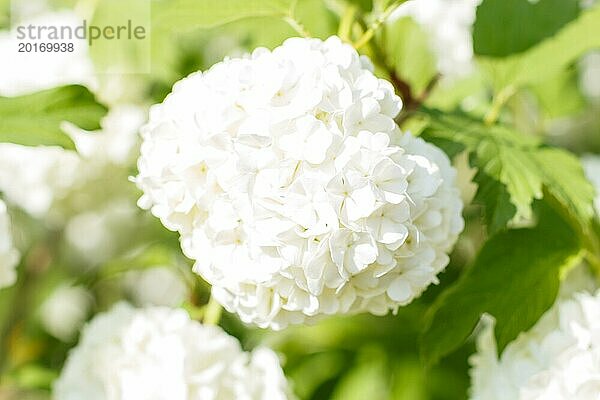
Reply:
x=293, y=188
x=9, y=256
x=160, y=354
x=558, y=359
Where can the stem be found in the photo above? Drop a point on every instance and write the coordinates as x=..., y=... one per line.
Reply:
x=593, y=260
x=499, y=101
x=370, y=32
x=212, y=313
x=345, y=29
x=296, y=25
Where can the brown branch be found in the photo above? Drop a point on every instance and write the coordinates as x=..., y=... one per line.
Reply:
x=410, y=102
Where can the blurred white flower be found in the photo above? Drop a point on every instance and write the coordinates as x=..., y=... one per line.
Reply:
x=95, y=234
x=587, y=3
x=33, y=71
x=64, y=312
x=49, y=180
x=159, y=286
x=591, y=167
x=116, y=142
x=558, y=359
x=279, y=173
x=449, y=24
x=160, y=354
x=32, y=177
x=590, y=75
x=9, y=256
x=24, y=10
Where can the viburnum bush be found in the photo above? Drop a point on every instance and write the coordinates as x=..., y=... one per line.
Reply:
x=327, y=199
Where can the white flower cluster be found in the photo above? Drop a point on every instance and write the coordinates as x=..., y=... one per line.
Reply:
x=9, y=256
x=558, y=359
x=449, y=24
x=279, y=172
x=160, y=354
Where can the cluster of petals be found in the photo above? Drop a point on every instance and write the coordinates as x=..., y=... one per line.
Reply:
x=9, y=256
x=293, y=188
x=159, y=353
x=558, y=359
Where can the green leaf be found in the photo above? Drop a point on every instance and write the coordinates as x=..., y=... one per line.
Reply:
x=173, y=18
x=515, y=278
x=550, y=57
x=194, y=14
x=119, y=56
x=514, y=170
x=32, y=376
x=407, y=50
x=5, y=14
x=560, y=96
x=504, y=27
x=369, y=377
x=35, y=119
x=496, y=199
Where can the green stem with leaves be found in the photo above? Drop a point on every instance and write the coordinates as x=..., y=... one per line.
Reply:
x=293, y=22
x=346, y=23
x=498, y=103
x=372, y=29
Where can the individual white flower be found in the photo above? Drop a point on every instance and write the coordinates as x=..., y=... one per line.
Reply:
x=9, y=256
x=96, y=234
x=591, y=167
x=449, y=24
x=279, y=171
x=158, y=286
x=64, y=312
x=558, y=359
x=33, y=71
x=160, y=354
